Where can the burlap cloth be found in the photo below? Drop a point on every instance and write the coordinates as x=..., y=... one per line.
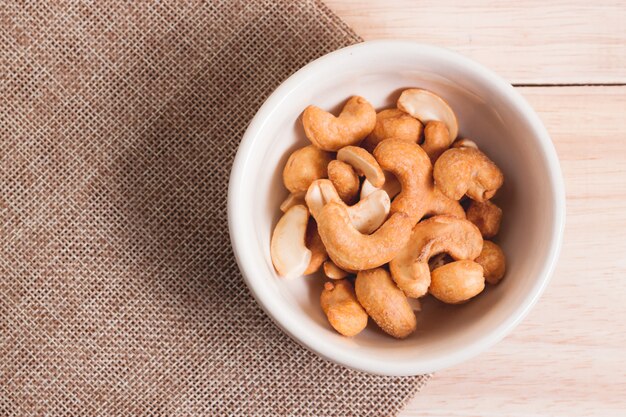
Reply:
x=119, y=293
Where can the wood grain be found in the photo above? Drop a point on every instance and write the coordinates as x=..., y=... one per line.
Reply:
x=568, y=358
x=530, y=41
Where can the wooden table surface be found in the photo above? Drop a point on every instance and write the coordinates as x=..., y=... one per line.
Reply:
x=568, y=58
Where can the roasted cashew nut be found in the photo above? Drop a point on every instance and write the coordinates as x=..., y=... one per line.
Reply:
x=342, y=309
x=458, y=238
x=330, y=133
x=493, y=262
x=486, y=216
x=457, y=281
x=345, y=180
x=290, y=255
x=304, y=166
x=426, y=106
x=352, y=250
x=364, y=164
x=460, y=171
x=436, y=139
x=393, y=123
x=366, y=216
x=385, y=303
x=411, y=166
x=316, y=246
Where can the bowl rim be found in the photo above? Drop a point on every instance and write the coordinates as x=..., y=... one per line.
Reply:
x=238, y=235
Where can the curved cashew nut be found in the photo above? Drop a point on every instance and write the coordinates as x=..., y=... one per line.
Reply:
x=436, y=139
x=366, y=216
x=290, y=255
x=342, y=309
x=316, y=246
x=457, y=282
x=493, y=262
x=293, y=199
x=393, y=123
x=426, y=107
x=304, y=166
x=392, y=186
x=330, y=133
x=385, y=303
x=460, y=171
x=411, y=166
x=352, y=250
x=364, y=163
x=345, y=180
x=457, y=237
x=486, y=216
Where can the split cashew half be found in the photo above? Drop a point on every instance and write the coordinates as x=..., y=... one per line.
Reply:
x=393, y=123
x=290, y=255
x=460, y=171
x=364, y=164
x=385, y=303
x=304, y=166
x=352, y=250
x=330, y=133
x=342, y=309
x=457, y=282
x=366, y=216
x=411, y=166
x=458, y=238
x=426, y=107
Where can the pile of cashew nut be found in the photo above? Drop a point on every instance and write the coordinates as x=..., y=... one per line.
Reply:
x=391, y=207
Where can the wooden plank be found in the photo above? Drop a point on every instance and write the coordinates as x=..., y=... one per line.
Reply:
x=568, y=357
x=529, y=41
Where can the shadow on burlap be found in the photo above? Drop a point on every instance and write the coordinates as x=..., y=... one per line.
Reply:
x=119, y=292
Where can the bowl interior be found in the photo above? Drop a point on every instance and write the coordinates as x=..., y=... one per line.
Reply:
x=486, y=114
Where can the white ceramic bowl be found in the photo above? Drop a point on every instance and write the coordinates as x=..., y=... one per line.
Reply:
x=490, y=112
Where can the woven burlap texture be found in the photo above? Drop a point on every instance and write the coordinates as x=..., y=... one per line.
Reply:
x=119, y=293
